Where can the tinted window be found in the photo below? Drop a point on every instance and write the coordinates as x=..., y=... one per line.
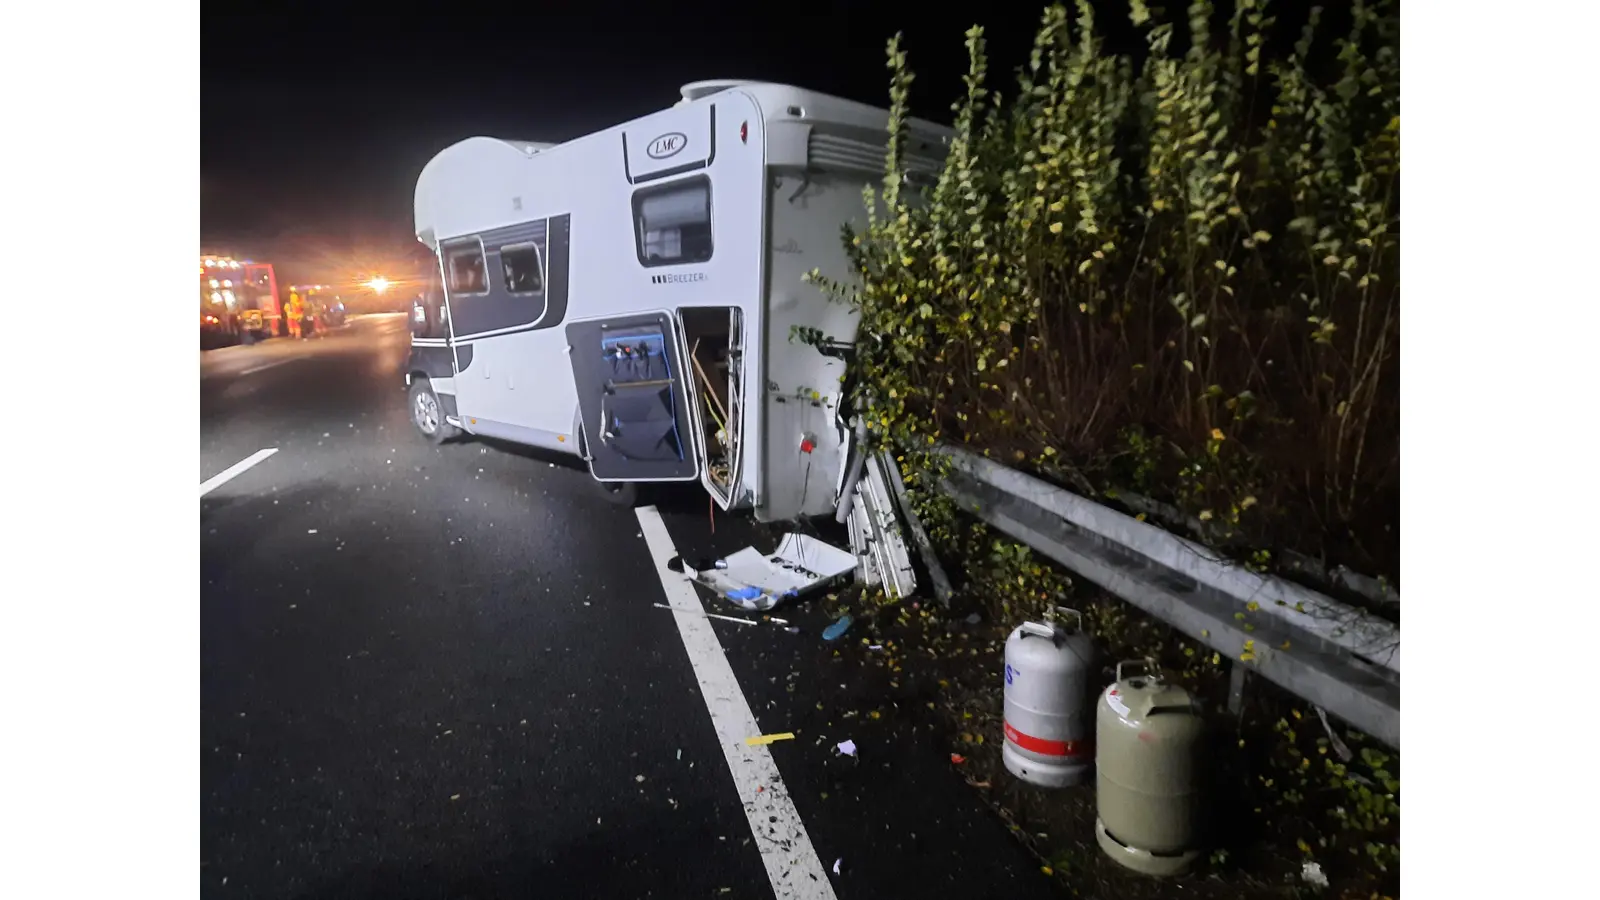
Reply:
x=523, y=272
x=463, y=266
x=672, y=223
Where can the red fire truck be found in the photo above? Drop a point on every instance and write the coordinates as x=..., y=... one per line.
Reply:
x=238, y=300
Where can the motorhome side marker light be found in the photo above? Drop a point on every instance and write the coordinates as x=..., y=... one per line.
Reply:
x=744, y=132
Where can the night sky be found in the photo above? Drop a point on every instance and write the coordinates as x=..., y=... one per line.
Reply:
x=317, y=118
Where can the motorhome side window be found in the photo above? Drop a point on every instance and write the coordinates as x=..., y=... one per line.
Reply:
x=672, y=222
x=463, y=266
x=523, y=272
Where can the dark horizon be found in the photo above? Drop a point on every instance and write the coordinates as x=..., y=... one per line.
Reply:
x=309, y=156
x=310, y=150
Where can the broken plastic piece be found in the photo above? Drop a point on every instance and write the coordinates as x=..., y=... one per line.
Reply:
x=848, y=748
x=799, y=564
x=837, y=629
x=1312, y=874
x=836, y=864
x=957, y=758
x=764, y=739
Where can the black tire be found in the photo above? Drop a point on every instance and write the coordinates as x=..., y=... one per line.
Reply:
x=427, y=413
x=619, y=493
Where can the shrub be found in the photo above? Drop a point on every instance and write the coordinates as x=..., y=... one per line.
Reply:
x=1178, y=277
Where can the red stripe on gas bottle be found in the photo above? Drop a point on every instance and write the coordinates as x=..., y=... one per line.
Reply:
x=1047, y=747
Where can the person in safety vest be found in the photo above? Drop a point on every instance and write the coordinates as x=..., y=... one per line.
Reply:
x=296, y=311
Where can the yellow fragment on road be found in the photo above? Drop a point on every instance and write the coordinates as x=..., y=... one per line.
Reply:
x=769, y=738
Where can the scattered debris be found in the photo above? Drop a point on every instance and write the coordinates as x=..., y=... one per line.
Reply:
x=706, y=615
x=974, y=619
x=703, y=564
x=763, y=739
x=455, y=796
x=874, y=646
x=838, y=628
x=836, y=864
x=792, y=630
x=311, y=531
x=848, y=748
x=758, y=582
x=957, y=758
x=680, y=753
x=638, y=778
x=1312, y=873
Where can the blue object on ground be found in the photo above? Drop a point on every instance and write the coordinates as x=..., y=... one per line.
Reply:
x=745, y=593
x=837, y=629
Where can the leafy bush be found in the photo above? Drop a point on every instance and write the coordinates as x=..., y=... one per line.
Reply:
x=1178, y=278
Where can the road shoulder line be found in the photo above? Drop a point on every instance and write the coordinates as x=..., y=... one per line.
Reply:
x=235, y=470
x=791, y=861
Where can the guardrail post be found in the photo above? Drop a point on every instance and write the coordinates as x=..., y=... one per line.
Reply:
x=942, y=589
x=1237, y=674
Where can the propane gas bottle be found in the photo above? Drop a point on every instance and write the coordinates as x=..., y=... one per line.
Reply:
x=1148, y=745
x=1049, y=737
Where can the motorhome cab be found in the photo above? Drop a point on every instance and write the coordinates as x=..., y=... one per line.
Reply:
x=628, y=296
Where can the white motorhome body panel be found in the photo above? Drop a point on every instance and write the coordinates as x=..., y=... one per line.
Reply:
x=522, y=377
x=821, y=153
x=784, y=168
x=803, y=385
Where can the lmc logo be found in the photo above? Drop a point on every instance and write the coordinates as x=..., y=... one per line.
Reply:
x=668, y=144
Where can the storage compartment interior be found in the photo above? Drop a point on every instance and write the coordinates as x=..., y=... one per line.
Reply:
x=714, y=336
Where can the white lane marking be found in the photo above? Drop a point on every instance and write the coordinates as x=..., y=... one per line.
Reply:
x=264, y=366
x=786, y=851
x=235, y=470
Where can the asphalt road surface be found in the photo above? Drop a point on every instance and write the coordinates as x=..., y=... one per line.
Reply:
x=438, y=672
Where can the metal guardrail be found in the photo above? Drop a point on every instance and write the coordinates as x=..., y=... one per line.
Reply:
x=1308, y=644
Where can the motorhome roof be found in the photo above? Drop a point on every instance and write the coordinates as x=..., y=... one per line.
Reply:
x=476, y=164
x=786, y=101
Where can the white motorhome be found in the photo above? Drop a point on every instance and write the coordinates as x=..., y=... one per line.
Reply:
x=629, y=296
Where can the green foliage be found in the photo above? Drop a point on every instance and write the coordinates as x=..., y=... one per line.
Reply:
x=1181, y=280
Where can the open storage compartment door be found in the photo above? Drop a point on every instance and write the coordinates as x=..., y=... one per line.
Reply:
x=715, y=338
x=633, y=398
